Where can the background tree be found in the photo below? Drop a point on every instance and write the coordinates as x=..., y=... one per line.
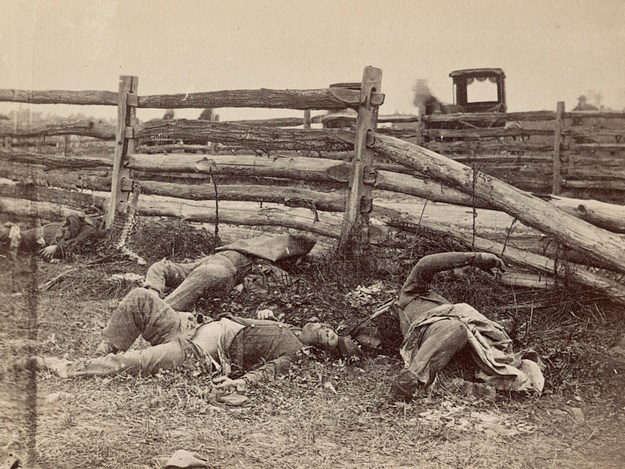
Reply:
x=207, y=115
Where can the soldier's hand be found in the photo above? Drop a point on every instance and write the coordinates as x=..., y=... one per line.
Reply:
x=48, y=252
x=265, y=314
x=225, y=383
x=489, y=263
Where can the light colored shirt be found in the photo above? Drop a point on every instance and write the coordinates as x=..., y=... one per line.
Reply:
x=215, y=337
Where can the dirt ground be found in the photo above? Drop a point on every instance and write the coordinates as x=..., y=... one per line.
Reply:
x=325, y=413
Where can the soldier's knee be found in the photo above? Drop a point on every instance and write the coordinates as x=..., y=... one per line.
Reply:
x=161, y=265
x=139, y=293
x=212, y=272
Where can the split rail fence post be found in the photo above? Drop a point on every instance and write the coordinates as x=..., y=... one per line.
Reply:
x=355, y=227
x=127, y=101
x=307, y=119
x=214, y=146
x=420, y=126
x=556, y=187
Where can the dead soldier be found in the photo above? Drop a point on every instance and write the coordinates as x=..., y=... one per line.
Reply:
x=221, y=272
x=73, y=231
x=257, y=349
x=240, y=350
x=435, y=330
x=52, y=240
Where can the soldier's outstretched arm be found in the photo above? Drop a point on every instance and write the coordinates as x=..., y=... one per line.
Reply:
x=427, y=267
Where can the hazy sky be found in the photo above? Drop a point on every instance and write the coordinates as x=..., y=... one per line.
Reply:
x=551, y=50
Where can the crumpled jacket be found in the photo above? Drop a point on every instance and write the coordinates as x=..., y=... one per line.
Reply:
x=490, y=347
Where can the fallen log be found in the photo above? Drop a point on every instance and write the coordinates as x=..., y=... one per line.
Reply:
x=532, y=211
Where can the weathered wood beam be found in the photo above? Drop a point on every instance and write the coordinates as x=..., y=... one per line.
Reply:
x=612, y=185
x=124, y=143
x=34, y=209
x=355, y=229
x=556, y=175
x=39, y=175
x=532, y=211
x=492, y=117
x=262, y=138
x=288, y=196
x=487, y=133
x=590, y=132
x=598, y=147
x=526, y=280
x=89, y=97
x=595, y=114
x=595, y=168
x=173, y=148
x=297, y=218
x=100, y=130
x=56, y=161
x=301, y=168
x=608, y=216
x=504, y=159
x=319, y=99
x=50, y=195
x=488, y=146
x=276, y=122
x=350, y=120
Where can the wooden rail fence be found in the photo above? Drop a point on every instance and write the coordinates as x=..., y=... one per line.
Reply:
x=325, y=178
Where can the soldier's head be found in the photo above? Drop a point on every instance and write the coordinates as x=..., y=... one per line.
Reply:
x=320, y=335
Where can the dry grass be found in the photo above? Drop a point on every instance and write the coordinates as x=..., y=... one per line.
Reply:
x=298, y=420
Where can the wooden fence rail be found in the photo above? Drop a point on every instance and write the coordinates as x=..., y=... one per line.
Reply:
x=315, y=99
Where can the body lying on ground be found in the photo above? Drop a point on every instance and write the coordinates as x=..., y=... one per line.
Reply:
x=260, y=349
x=435, y=330
x=52, y=240
x=219, y=273
x=238, y=351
